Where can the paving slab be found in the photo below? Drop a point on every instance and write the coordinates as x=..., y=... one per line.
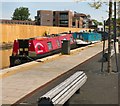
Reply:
x=17, y=85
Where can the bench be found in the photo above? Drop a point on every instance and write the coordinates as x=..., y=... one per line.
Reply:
x=62, y=92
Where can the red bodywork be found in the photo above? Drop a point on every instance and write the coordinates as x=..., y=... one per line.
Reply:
x=44, y=45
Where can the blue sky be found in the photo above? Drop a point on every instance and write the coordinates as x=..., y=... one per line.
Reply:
x=81, y=7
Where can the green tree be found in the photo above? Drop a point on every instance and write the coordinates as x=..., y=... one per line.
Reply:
x=96, y=22
x=21, y=13
x=100, y=23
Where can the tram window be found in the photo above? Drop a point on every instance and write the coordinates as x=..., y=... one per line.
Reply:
x=81, y=37
x=49, y=45
x=71, y=39
x=77, y=36
x=58, y=43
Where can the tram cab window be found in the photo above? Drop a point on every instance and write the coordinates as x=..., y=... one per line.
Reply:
x=71, y=39
x=49, y=45
x=78, y=36
x=58, y=43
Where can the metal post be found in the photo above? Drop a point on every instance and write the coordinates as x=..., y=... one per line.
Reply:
x=115, y=34
x=103, y=47
x=109, y=37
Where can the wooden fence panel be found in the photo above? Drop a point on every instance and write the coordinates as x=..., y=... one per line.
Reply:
x=10, y=32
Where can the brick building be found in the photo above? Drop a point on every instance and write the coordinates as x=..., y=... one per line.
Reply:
x=44, y=18
x=77, y=22
x=85, y=19
x=62, y=18
x=55, y=18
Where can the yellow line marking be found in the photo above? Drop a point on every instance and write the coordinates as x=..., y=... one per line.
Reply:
x=20, y=69
x=26, y=68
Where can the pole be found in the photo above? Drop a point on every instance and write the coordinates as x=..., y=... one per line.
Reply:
x=115, y=34
x=115, y=22
x=103, y=47
x=109, y=37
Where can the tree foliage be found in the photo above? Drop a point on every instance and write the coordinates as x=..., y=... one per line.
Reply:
x=96, y=5
x=21, y=13
x=96, y=22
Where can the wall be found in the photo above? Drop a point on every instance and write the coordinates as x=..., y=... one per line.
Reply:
x=10, y=32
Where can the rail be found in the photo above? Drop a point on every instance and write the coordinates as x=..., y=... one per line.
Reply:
x=62, y=92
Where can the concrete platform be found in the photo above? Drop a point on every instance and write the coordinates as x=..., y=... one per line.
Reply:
x=101, y=88
x=23, y=79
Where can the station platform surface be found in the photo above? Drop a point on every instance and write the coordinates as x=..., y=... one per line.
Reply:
x=21, y=80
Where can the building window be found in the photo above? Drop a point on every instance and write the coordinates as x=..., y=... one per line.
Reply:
x=49, y=45
x=73, y=23
x=63, y=16
x=48, y=20
x=64, y=22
